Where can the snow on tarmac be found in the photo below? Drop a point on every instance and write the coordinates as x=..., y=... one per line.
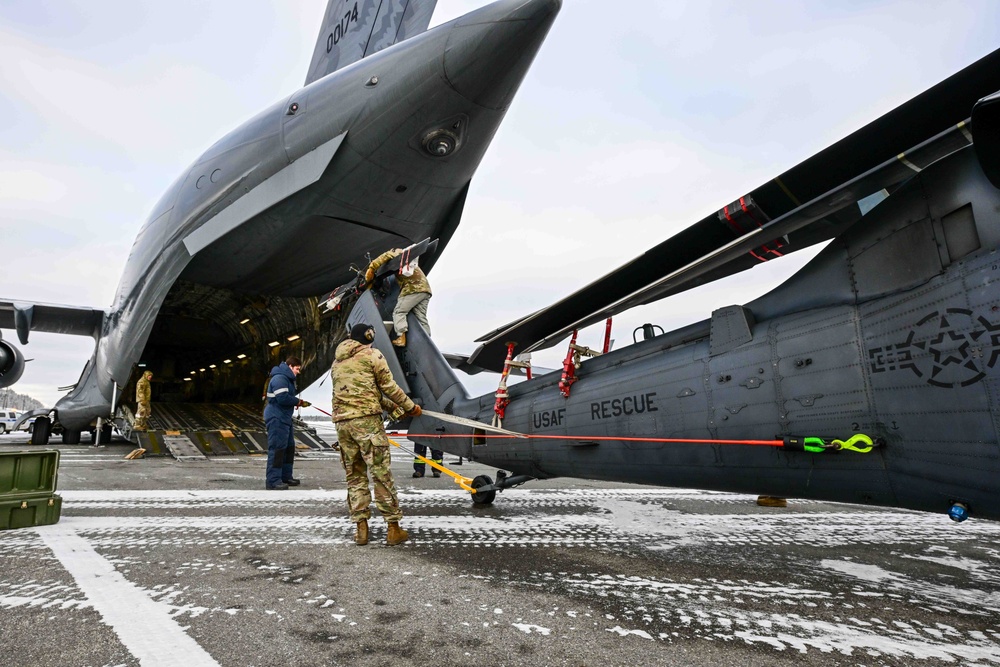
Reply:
x=932, y=593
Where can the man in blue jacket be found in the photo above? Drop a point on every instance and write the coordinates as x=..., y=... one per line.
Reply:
x=281, y=402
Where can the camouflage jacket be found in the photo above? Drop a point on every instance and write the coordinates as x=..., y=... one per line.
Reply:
x=360, y=376
x=143, y=392
x=414, y=284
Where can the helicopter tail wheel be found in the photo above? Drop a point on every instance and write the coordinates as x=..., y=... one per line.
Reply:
x=483, y=497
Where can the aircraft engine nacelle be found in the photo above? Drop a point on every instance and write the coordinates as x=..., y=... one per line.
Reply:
x=11, y=364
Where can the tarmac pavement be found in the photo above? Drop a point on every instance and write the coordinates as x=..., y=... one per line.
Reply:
x=159, y=562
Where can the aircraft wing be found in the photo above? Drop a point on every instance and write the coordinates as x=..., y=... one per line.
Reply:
x=810, y=203
x=355, y=29
x=51, y=318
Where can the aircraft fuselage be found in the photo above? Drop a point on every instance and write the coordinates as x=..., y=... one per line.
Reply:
x=892, y=331
x=222, y=279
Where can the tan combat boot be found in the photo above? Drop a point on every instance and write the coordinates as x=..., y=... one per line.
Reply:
x=361, y=537
x=396, y=534
x=401, y=341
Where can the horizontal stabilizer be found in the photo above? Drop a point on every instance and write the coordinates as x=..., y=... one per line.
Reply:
x=808, y=204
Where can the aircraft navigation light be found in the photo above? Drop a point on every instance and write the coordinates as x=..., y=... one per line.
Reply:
x=292, y=337
x=211, y=365
x=372, y=81
x=241, y=356
x=273, y=343
x=227, y=361
x=244, y=320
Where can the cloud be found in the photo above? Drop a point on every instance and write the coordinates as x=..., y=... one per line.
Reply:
x=631, y=124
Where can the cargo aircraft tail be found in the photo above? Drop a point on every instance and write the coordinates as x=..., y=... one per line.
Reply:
x=353, y=29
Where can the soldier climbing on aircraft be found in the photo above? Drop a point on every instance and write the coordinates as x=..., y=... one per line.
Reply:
x=360, y=378
x=414, y=293
x=143, y=396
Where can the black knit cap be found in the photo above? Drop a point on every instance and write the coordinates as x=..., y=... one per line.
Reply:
x=363, y=333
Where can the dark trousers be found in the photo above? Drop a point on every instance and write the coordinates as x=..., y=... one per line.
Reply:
x=280, y=450
x=436, y=455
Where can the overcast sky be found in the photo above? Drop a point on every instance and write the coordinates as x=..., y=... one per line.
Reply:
x=631, y=124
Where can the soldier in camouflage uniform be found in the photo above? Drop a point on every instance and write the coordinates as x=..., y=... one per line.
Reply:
x=414, y=294
x=143, y=396
x=360, y=378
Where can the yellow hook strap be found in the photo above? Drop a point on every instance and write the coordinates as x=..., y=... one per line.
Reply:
x=852, y=443
x=463, y=482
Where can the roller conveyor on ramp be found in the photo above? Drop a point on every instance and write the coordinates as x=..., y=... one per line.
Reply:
x=197, y=430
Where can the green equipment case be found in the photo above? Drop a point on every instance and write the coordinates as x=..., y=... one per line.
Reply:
x=29, y=512
x=27, y=489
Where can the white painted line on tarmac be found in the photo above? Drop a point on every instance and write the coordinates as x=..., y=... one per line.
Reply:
x=143, y=625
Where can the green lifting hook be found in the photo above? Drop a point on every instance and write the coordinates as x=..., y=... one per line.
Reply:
x=859, y=442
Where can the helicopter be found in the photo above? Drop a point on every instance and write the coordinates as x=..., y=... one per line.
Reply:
x=870, y=376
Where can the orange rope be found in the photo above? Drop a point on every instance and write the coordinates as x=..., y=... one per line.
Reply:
x=764, y=443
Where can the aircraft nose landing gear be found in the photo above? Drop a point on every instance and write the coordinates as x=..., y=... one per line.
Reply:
x=483, y=497
x=486, y=489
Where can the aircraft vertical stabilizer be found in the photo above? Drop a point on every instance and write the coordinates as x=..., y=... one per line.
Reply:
x=353, y=29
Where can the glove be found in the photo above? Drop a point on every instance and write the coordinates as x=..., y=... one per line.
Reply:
x=304, y=404
x=369, y=276
x=415, y=412
x=397, y=414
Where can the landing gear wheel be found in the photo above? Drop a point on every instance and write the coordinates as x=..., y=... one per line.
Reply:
x=71, y=437
x=41, y=431
x=105, y=435
x=483, y=497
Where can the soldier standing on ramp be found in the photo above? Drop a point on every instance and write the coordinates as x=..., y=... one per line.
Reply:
x=143, y=396
x=360, y=378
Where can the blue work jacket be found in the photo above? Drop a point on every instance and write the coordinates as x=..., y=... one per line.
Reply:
x=281, y=397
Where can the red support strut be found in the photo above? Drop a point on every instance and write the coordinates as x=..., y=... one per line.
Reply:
x=502, y=398
x=569, y=368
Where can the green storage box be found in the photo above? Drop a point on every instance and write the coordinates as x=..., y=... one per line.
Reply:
x=28, y=512
x=27, y=474
x=27, y=489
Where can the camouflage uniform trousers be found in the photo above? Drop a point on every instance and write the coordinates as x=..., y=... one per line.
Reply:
x=142, y=415
x=364, y=447
x=411, y=303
